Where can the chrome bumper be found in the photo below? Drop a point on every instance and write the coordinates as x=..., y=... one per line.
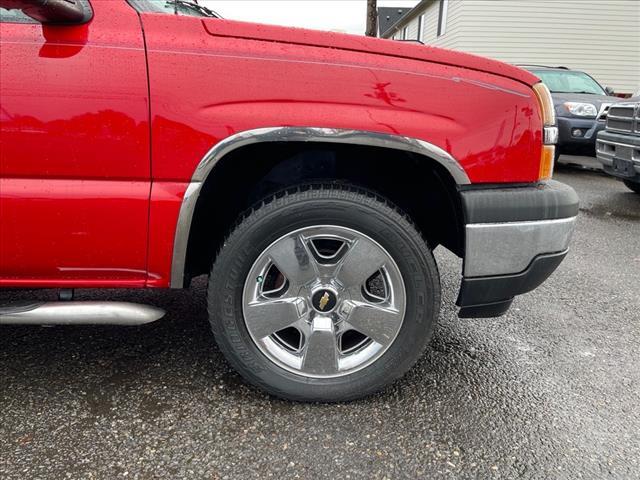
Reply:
x=507, y=248
x=613, y=146
x=515, y=237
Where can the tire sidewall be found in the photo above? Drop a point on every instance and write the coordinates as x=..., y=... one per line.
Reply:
x=633, y=186
x=363, y=213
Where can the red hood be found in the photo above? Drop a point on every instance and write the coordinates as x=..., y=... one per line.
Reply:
x=358, y=43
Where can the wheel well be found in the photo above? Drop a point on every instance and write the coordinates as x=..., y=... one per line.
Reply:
x=421, y=187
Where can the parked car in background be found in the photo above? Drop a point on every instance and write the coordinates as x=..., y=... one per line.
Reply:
x=581, y=105
x=618, y=146
x=310, y=175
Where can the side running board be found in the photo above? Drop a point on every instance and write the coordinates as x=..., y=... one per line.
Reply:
x=79, y=313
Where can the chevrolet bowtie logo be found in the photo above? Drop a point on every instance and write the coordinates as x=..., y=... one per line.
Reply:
x=323, y=301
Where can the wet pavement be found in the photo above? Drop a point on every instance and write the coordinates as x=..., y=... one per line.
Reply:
x=551, y=390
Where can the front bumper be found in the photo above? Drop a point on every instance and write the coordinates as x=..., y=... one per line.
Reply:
x=620, y=155
x=515, y=239
x=588, y=127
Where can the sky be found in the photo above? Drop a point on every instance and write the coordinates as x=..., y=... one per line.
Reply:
x=338, y=15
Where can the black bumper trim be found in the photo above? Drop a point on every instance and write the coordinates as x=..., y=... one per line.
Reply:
x=545, y=201
x=614, y=173
x=486, y=291
x=590, y=127
x=485, y=311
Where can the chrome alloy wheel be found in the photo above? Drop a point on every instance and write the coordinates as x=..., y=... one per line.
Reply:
x=324, y=301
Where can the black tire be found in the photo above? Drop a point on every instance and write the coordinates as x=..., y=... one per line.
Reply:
x=633, y=186
x=309, y=205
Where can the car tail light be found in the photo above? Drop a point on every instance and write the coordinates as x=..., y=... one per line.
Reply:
x=550, y=130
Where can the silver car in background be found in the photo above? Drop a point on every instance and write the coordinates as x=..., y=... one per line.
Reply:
x=618, y=146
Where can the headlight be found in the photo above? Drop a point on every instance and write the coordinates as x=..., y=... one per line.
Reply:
x=546, y=104
x=581, y=109
x=549, y=130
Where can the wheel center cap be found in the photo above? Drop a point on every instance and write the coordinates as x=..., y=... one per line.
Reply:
x=324, y=300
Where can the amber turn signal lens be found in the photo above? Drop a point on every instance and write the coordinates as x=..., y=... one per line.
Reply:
x=546, y=162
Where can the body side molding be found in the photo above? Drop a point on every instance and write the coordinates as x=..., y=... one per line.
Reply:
x=291, y=134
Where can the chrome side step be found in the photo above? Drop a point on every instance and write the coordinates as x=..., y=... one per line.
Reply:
x=79, y=313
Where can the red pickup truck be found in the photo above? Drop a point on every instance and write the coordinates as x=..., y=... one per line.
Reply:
x=309, y=174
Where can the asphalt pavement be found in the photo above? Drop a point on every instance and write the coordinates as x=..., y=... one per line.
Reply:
x=551, y=390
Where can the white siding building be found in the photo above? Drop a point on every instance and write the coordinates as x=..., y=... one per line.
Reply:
x=601, y=37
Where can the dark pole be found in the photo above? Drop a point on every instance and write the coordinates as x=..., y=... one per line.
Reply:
x=372, y=18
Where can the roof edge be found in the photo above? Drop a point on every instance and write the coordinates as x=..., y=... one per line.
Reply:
x=412, y=12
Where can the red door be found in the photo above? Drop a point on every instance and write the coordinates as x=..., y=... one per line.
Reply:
x=74, y=151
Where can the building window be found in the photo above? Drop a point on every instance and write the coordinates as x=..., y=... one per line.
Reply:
x=421, y=28
x=404, y=33
x=442, y=17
